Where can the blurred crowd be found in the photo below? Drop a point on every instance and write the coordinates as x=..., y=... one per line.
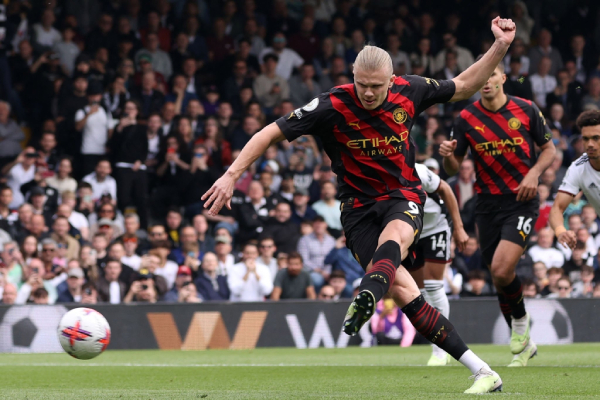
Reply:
x=117, y=115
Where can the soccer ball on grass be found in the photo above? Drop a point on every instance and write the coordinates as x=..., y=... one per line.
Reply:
x=83, y=333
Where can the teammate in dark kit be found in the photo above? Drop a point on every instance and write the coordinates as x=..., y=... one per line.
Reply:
x=365, y=130
x=501, y=131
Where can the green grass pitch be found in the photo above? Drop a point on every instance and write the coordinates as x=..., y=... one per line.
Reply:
x=559, y=372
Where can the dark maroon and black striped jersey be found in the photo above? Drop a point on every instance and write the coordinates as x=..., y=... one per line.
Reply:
x=501, y=142
x=371, y=151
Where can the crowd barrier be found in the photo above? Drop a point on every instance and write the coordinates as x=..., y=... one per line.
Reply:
x=300, y=324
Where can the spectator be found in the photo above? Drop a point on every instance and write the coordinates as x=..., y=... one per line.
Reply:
x=189, y=252
x=8, y=217
x=303, y=88
x=45, y=35
x=9, y=294
x=62, y=181
x=464, y=58
x=206, y=241
x=95, y=123
x=544, y=252
x=463, y=185
x=109, y=224
x=267, y=250
x=73, y=292
x=564, y=289
x=287, y=59
x=48, y=151
x=101, y=181
x=177, y=292
x=161, y=62
x=11, y=136
x=130, y=245
x=199, y=179
x=35, y=281
x=220, y=44
x=588, y=218
x=174, y=159
x=338, y=281
x=400, y=60
x=424, y=57
x=592, y=99
x=545, y=49
x=530, y=289
x=567, y=93
x=543, y=82
x=60, y=233
x=301, y=210
x=476, y=285
x=271, y=88
x=153, y=25
x=150, y=99
x=142, y=290
x=554, y=274
x=306, y=42
x=66, y=49
x=129, y=146
x=329, y=207
x=89, y=293
x=252, y=215
x=326, y=293
x=165, y=268
x=516, y=84
x=391, y=326
x=111, y=289
x=340, y=258
x=582, y=281
x=11, y=268
x=314, y=248
x=40, y=296
x=20, y=171
x=542, y=221
x=225, y=259
x=293, y=282
x=179, y=95
x=524, y=23
x=282, y=229
x=210, y=285
x=174, y=221
x=249, y=281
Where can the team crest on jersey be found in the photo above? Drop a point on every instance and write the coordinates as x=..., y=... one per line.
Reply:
x=400, y=115
x=514, y=123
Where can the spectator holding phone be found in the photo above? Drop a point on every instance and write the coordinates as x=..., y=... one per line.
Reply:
x=95, y=125
x=180, y=292
x=34, y=282
x=129, y=149
x=73, y=293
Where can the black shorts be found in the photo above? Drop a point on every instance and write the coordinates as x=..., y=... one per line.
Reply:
x=434, y=248
x=363, y=221
x=502, y=217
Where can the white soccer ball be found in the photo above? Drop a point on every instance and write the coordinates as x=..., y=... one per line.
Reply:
x=83, y=333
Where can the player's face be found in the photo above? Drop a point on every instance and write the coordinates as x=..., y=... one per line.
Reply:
x=493, y=87
x=591, y=141
x=372, y=87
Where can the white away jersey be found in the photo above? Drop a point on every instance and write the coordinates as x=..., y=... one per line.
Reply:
x=434, y=220
x=581, y=176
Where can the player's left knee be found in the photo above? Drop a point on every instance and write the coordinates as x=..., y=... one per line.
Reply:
x=502, y=273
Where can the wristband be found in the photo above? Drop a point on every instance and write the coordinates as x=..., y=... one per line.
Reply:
x=559, y=230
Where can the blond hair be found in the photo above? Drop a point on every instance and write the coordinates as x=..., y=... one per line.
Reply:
x=373, y=58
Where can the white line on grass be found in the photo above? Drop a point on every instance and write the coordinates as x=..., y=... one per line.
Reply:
x=85, y=364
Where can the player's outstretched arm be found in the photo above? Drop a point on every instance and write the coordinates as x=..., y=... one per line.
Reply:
x=460, y=235
x=222, y=190
x=474, y=77
x=557, y=220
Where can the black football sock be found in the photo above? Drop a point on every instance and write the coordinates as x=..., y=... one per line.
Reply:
x=386, y=261
x=435, y=327
x=514, y=296
x=505, y=308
